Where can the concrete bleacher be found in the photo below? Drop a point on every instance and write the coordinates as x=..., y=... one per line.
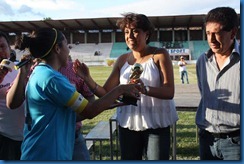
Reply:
x=155, y=44
x=118, y=48
x=198, y=47
x=86, y=52
x=90, y=48
x=185, y=44
x=114, y=50
x=90, y=60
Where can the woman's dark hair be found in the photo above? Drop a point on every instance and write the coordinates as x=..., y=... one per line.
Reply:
x=226, y=16
x=138, y=20
x=41, y=42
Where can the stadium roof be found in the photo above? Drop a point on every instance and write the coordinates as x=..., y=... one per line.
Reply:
x=100, y=23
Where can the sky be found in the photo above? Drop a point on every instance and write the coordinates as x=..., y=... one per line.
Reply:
x=28, y=10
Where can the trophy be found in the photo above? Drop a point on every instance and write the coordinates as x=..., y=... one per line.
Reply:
x=136, y=71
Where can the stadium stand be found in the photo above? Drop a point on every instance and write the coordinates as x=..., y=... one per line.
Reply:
x=185, y=44
x=86, y=52
x=118, y=48
x=90, y=48
x=183, y=35
x=197, y=48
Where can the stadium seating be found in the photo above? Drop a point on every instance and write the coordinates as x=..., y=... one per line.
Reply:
x=86, y=52
x=118, y=48
x=197, y=48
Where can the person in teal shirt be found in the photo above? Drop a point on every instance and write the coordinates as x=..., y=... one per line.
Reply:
x=52, y=103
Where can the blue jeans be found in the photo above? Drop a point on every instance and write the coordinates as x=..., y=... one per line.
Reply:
x=154, y=143
x=212, y=148
x=183, y=74
x=80, y=150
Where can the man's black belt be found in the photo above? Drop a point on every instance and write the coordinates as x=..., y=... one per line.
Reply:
x=226, y=135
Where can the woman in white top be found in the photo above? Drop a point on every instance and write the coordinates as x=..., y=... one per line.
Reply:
x=145, y=127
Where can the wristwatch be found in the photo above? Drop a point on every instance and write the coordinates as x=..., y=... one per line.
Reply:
x=146, y=89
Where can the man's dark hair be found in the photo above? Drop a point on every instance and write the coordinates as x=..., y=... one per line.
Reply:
x=226, y=16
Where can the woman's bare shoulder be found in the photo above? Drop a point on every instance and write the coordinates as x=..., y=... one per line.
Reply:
x=120, y=61
x=160, y=53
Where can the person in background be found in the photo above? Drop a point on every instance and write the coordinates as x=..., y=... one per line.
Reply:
x=13, y=56
x=182, y=69
x=11, y=122
x=218, y=75
x=144, y=128
x=52, y=103
x=80, y=150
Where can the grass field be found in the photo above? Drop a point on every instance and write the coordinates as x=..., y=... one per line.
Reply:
x=187, y=146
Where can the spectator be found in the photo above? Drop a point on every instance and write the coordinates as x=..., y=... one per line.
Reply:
x=13, y=56
x=147, y=125
x=52, y=104
x=11, y=122
x=80, y=150
x=218, y=74
x=182, y=69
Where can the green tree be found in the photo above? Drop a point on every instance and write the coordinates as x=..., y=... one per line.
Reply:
x=47, y=18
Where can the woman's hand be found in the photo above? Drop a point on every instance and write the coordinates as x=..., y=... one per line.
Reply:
x=132, y=90
x=25, y=69
x=81, y=69
x=141, y=85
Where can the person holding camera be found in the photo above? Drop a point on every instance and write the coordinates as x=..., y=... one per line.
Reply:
x=183, y=71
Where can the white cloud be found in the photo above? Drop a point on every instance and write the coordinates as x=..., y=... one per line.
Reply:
x=33, y=9
x=168, y=7
x=69, y=9
x=5, y=9
x=42, y=4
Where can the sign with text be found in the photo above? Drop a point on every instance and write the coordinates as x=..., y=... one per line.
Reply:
x=178, y=51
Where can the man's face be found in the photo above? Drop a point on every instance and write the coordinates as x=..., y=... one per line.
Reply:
x=219, y=40
x=4, y=49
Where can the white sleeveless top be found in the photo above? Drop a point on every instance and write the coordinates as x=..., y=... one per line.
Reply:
x=11, y=121
x=150, y=112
